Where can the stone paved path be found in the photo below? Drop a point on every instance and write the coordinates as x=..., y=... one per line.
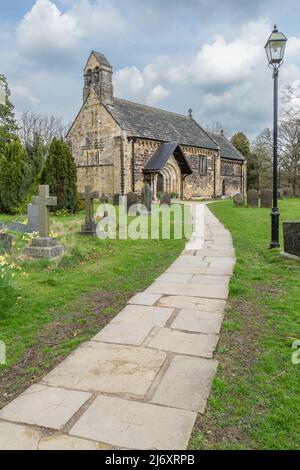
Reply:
x=140, y=382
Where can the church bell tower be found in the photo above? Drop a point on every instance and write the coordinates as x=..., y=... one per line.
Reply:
x=98, y=75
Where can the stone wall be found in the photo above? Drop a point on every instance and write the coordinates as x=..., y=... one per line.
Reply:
x=233, y=177
x=95, y=140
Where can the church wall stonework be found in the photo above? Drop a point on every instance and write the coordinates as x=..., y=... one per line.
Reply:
x=95, y=143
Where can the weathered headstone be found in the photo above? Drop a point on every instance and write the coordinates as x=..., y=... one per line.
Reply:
x=44, y=246
x=147, y=197
x=116, y=199
x=16, y=226
x=131, y=199
x=291, y=236
x=252, y=198
x=33, y=217
x=104, y=198
x=6, y=242
x=165, y=198
x=238, y=200
x=2, y=226
x=89, y=227
x=266, y=198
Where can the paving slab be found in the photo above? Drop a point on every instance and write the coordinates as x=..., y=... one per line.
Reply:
x=64, y=442
x=180, y=342
x=198, y=321
x=206, y=279
x=214, y=252
x=135, y=425
x=182, y=301
x=133, y=324
x=142, y=298
x=108, y=368
x=18, y=437
x=186, y=384
x=49, y=407
x=210, y=270
x=176, y=278
x=220, y=261
x=189, y=261
x=124, y=333
x=144, y=315
x=193, y=290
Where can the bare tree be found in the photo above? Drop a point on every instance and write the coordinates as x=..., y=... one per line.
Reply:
x=35, y=127
x=216, y=127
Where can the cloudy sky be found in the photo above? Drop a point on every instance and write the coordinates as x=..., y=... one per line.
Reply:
x=175, y=54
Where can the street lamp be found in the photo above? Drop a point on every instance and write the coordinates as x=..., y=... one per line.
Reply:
x=275, y=51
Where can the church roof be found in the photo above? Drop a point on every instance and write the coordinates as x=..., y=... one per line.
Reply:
x=143, y=121
x=227, y=149
x=100, y=57
x=162, y=155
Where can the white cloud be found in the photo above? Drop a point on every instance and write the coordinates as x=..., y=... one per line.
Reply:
x=131, y=83
x=23, y=94
x=44, y=29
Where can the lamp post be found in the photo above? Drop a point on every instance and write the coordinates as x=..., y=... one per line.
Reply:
x=275, y=51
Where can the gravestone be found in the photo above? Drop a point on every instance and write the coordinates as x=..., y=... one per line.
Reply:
x=238, y=200
x=16, y=226
x=89, y=227
x=6, y=242
x=131, y=199
x=33, y=221
x=165, y=198
x=104, y=198
x=44, y=246
x=33, y=217
x=252, y=198
x=266, y=198
x=116, y=199
x=147, y=197
x=2, y=226
x=291, y=237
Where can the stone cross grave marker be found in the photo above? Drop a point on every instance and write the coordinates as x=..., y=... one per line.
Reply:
x=238, y=200
x=43, y=200
x=266, y=198
x=252, y=198
x=44, y=246
x=147, y=197
x=89, y=227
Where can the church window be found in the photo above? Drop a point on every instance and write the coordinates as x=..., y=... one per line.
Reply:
x=202, y=166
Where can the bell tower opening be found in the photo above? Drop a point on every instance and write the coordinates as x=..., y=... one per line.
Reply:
x=98, y=76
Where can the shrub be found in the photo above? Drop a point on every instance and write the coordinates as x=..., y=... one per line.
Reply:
x=60, y=174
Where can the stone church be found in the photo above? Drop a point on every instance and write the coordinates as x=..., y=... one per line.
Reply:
x=118, y=145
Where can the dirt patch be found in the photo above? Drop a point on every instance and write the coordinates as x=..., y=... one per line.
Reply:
x=86, y=318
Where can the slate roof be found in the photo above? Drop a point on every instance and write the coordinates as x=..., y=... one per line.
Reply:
x=161, y=156
x=100, y=57
x=143, y=121
x=227, y=149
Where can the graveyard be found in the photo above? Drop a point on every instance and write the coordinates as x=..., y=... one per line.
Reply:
x=51, y=306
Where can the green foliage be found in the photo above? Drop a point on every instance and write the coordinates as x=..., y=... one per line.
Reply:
x=15, y=176
x=8, y=124
x=60, y=174
x=241, y=142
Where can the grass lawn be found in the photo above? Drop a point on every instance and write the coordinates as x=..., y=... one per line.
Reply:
x=59, y=304
x=255, y=401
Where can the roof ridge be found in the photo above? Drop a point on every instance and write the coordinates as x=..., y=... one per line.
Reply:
x=152, y=107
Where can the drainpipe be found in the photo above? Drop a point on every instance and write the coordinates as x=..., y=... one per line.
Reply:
x=132, y=166
x=122, y=165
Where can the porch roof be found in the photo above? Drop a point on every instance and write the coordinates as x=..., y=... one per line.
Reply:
x=162, y=155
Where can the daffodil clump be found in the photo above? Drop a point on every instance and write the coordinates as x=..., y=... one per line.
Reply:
x=8, y=270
